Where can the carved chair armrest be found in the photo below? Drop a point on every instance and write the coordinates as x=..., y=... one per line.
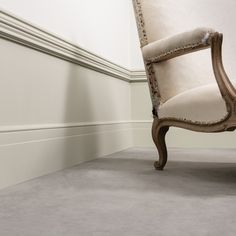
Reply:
x=188, y=42
x=227, y=90
x=178, y=45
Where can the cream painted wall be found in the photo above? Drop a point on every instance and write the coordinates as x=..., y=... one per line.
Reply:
x=102, y=27
x=37, y=88
x=108, y=28
x=141, y=108
x=55, y=114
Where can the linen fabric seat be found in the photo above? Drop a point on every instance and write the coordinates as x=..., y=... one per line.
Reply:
x=203, y=104
x=181, y=81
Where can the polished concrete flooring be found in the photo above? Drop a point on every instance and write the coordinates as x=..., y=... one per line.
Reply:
x=122, y=194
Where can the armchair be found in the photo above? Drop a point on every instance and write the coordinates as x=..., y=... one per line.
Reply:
x=187, y=91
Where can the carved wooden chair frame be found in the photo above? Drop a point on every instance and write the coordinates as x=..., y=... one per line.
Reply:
x=161, y=125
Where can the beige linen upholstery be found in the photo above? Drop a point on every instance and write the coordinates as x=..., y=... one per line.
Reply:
x=177, y=75
x=177, y=45
x=164, y=18
x=203, y=104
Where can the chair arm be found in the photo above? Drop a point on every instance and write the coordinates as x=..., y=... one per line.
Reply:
x=177, y=45
x=227, y=90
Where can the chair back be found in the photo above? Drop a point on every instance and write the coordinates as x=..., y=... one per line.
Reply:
x=157, y=19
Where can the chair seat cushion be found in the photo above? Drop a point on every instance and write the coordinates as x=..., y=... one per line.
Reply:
x=203, y=104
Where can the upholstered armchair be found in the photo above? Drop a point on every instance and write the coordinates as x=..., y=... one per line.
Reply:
x=188, y=91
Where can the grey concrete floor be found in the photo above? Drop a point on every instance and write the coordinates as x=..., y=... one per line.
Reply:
x=122, y=194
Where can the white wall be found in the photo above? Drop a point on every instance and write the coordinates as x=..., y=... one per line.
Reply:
x=55, y=114
x=102, y=27
x=136, y=60
x=37, y=88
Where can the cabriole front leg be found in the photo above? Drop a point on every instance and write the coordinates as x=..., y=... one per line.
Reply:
x=158, y=136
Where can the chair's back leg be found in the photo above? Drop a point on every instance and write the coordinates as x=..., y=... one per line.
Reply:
x=158, y=136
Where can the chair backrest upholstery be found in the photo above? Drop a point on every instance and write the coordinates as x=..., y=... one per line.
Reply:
x=157, y=19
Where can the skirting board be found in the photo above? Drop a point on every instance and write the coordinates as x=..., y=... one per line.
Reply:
x=25, y=155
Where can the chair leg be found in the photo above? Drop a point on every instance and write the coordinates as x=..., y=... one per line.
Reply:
x=158, y=136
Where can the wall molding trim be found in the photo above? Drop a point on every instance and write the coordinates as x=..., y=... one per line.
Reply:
x=138, y=76
x=19, y=31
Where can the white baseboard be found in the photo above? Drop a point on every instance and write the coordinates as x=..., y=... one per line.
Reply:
x=25, y=155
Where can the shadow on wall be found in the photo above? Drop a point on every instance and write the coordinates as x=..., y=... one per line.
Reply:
x=89, y=98
x=80, y=145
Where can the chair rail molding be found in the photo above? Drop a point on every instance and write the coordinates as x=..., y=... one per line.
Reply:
x=25, y=33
